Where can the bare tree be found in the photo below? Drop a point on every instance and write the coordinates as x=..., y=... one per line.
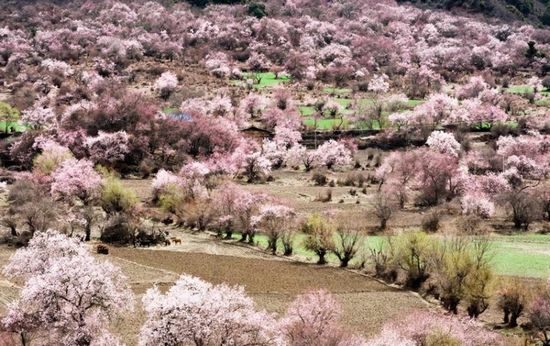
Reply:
x=523, y=208
x=384, y=208
x=348, y=240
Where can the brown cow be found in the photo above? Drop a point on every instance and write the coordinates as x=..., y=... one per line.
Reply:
x=175, y=240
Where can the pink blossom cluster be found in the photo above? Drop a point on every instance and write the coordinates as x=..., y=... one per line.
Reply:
x=68, y=296
x=379, y=84
x=194, y=311
x=75, y=179
x=444, y=143
x=418, y=326
x=167, y=82
x=38, y=117
x=331, y=154
x=107, y=148
x=53, y=65
x=528, y=154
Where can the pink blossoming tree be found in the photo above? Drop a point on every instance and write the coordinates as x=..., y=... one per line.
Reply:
x=194, y=312
x=68, y=297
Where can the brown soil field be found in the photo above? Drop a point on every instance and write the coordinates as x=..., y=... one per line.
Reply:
x=273, y=284
x=367, y=304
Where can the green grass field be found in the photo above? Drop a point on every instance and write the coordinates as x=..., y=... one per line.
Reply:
x=514, y=255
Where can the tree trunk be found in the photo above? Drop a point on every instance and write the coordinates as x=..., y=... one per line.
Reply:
x=506, y=316
x=344, y=262
x=513, y=320
x=321, y=254
x=88, y=232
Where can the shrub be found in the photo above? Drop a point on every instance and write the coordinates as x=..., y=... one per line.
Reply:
x=383, y=260
x=319, y=177
x=512, y=300
x=354, y=179
x=324, y=196
x=412, y=251
x=197, y=214
x=348, y=242
x=523, y=208
x=460, y=271
x=118, y=231
x=257, y=10
x=430, y=222
x=102, y=249
x=115, y=198
x=319, y=236
x=287, y=238
x=539, y=315
x=149, y=237
x=384, y=208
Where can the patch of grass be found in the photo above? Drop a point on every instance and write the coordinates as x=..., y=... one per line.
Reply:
x=337, y=91
x=525, y=89
x=519, y=89
x=17, y=126
x=543, y=102
x=170, y=110
x=521, y=258
x=486, y=125
x=307, y=110
x=326, y=124
x=363, y=125
x=413, y=103
x=267, y=79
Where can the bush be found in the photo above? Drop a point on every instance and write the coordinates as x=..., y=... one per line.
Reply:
x=115, y=198
x=102, y=249
x=319, y=232
x=470, y=225
x=383, y=260
x=412, y=253
x=460, y=271
x=150, y=237
x=118, y=231
x=353, y=179
x=546, y=82
x=324, y=196
x=319, y=177
x=512, y=300
x=257, y=10
x=287, y=238
x=430, y=222
x=523, y=208
x=197, y=214
x=348, y=241
x=384, y=208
